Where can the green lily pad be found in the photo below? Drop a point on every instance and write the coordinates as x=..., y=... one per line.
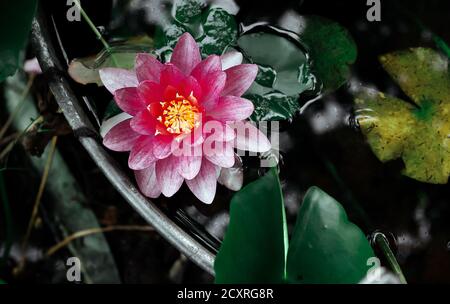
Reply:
x=213, y=28
x=187, y=10
x=263, y=45
x=326, y=247
x=330, y=45
x=274, y=106
x=254, y=248
x=417, y=131
x=15, y=23
x=281, y=79
x=219, y=30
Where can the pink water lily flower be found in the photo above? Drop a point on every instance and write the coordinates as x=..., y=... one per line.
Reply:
x=184, y=119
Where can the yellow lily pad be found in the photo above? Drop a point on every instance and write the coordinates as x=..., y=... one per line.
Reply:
x=418, y=131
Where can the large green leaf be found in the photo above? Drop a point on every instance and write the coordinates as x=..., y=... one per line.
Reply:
x=15, y=23
x=416, y=131
x=331, y=47
x=254, y=248
x=325, y=247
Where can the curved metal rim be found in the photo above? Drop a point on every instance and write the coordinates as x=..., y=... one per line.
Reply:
x=80, y=123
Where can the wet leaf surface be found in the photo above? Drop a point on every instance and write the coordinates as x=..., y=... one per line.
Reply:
x=280, y=79
x=254, y=248
x=325, y=247
x=417, y=131
x=213, y=28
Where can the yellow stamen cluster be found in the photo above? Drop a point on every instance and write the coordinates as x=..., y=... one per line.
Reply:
x=179, y=115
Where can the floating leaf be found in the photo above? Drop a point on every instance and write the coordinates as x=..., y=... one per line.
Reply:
x=220, y=29
x=123, y=55
x=15, y=23
x=326, y=247
x=280, y=79
x=273, y=106
x=331, y=47
x=254, y=248
x=418, y=132
x=213, y=28
x=264, y=44
x=187, y=10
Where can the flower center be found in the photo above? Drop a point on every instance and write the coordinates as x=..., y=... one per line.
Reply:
x=179, y=115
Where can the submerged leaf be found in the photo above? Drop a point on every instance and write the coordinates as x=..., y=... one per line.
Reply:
x=331, y=46
x=417, y=132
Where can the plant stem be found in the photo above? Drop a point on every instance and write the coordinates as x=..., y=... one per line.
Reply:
x=95, y=30
x=37, y=201
x=382, y=241
x=86, y=232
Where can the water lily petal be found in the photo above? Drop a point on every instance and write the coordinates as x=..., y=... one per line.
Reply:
x=128, y=100
x=148, y=67
x=239, y=79
x=150, y=92
x=141, y=155
x=211, y=64
x=162, y=146
x=214, y=130
x=250, y=138
x=112, y=122
x=205, y=183
x=144, y=123
x=147, y=181
x=168, y=177
x=212, y=88
x=232, y=108
x=115, y=78
x=186, y=54
x=190, y=86
x=231, y=59
x=121, y=137
x=220, y=154
x=189, y=165
x=232, y=178
x=171, y=76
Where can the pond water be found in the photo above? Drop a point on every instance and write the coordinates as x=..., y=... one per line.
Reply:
x=322, y=145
